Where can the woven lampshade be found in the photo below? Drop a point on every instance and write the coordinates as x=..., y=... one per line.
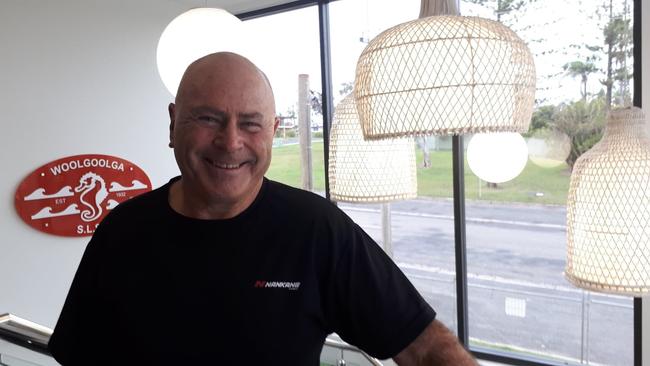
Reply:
x=608, y=210
x=368, y=171
x=445, y=75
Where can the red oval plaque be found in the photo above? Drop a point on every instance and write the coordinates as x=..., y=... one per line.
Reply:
x=70, y=196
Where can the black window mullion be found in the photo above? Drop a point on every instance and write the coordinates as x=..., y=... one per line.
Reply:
x=458, y=161
x=294, y=5
x=638, y=88
x=326, y=82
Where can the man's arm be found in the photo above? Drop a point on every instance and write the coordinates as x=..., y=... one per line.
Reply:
x=435, y=346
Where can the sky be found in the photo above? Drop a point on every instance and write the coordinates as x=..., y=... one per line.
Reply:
x=290, y=42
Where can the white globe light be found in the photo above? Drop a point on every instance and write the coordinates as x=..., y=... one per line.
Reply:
x=194, y=34
x=497, y=157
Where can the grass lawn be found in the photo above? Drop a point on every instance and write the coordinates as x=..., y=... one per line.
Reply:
x=436, y=181
x=285, y=166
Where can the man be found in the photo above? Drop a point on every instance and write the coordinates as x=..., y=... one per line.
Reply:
x=221, y=266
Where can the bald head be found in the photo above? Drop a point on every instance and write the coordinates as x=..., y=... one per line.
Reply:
x=225, y=70
x=221, y=128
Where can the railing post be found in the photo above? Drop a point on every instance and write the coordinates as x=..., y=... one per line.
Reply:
x=584, y=344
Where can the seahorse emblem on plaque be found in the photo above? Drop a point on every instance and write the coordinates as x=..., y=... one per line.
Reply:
x=70, y=196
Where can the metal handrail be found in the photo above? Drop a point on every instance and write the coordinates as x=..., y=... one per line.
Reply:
x=25, y=333
x=34, y=336
x=347, y=347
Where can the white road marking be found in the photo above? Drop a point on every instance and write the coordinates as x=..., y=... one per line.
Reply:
x=468, y=219
x=501, y=280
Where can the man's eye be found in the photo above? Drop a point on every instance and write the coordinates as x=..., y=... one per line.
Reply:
x=207, y=119
x=251, y=126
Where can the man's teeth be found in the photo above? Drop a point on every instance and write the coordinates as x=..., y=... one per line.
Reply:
x=226, y=166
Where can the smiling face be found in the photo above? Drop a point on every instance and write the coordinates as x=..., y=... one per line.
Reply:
x=222, y=128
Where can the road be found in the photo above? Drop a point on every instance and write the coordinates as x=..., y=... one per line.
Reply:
x=518, y=297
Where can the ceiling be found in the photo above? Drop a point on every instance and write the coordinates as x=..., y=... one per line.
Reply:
x=235, y=6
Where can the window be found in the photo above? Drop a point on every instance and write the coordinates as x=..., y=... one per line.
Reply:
x=519, y=300
x=287, y=47
x=422, y=229
x=519, y=304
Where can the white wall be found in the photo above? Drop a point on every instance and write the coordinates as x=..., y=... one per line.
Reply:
x=76, y=77
x=645, y=103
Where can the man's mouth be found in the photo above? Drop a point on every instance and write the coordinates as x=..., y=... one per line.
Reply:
x=224, y=165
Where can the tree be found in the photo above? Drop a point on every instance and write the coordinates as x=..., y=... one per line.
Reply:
x=618, y=45
x=502, y=7
x=543, y=117
x=316, y=101
x=622, y=51
x=346, y=88
x=582, y=69
x=506, y=6
x=507, y=11
x=583, y=122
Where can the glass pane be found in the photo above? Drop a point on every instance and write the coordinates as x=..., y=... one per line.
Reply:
x=609, y=323
x=7, y=360
x=519, y=300
x=287, y=45
x=422, y=237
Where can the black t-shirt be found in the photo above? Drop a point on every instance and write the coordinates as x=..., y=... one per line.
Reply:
x=262, y=288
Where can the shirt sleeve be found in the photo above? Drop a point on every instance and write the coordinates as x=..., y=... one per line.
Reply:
x=80, y=329
x=372, y=303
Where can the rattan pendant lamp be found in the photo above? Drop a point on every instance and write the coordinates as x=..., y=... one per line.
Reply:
x=444, y=74
x=369, y=171
x=608, y=210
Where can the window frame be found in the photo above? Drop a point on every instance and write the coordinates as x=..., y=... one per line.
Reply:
x=458, y=178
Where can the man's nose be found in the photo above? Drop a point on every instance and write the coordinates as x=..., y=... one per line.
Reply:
x=230, y=138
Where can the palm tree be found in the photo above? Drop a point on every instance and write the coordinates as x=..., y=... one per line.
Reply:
x=582, y=69
x=583, y=122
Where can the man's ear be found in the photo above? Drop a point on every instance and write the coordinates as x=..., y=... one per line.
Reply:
x=276, y=124
x=172, y=119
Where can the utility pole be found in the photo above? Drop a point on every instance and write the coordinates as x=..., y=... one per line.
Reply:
x=304, y=130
